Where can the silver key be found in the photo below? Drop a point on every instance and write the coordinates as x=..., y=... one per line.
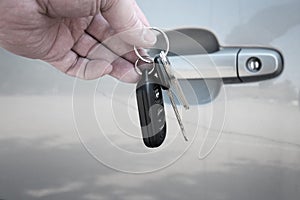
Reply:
x=173, y=80
x=171, y=77
x=173, y=103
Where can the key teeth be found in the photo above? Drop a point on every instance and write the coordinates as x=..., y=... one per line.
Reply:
x=186, y=139
x=187, y=107
x=184, y=134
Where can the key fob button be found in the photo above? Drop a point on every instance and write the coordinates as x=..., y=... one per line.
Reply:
x=158, y=94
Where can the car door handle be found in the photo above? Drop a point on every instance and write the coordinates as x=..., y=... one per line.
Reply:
x=233, y=65
x=196, y=54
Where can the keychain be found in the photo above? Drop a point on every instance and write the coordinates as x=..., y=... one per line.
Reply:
x=157, y=76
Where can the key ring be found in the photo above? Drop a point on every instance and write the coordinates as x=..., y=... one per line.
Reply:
x=138, y=70
x=151, y=60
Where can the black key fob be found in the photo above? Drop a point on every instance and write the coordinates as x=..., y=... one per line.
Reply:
x=151, y=109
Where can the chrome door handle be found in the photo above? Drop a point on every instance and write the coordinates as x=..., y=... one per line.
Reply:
x=233, y=65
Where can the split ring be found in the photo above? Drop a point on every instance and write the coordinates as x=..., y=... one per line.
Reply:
x=138, y=70
x=151, y=60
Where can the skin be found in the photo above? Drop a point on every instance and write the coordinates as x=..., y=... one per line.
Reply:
x=82, y=38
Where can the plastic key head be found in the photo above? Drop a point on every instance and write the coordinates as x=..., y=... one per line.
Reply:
x=151, y=110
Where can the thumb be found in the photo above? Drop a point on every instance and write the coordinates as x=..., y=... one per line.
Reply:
x=123, y=18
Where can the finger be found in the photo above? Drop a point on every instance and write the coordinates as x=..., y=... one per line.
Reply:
x=84, y=45
x=123, y=52
x=74, y=65
x=102, y=31
x=120, y=48
x=77, y=26
x=69, y=8
x=124, y=71
x=122, y=17
x=122, y=68
x=101, y=61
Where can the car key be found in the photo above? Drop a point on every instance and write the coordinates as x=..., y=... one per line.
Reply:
x=151, y=109
x=173, y=80
x=165, y=80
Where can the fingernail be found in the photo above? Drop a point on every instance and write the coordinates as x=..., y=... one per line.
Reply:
x=149, y=37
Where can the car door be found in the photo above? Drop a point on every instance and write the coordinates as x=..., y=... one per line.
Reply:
x=63, y=138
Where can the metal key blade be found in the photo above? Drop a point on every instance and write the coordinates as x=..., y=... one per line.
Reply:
x=170, y=94
x=174, y=80
x=180, y=93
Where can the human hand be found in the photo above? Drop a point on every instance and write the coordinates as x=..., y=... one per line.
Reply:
x=83, y=38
